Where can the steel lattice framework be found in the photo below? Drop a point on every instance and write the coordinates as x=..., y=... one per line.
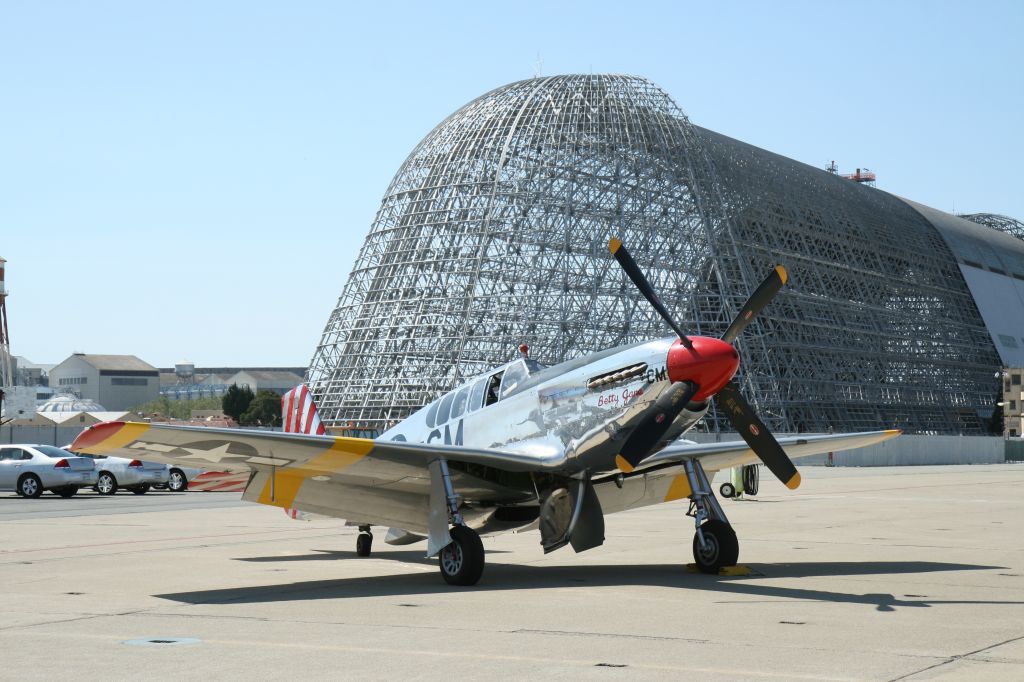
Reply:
x=1002, y=223
x=494, y=232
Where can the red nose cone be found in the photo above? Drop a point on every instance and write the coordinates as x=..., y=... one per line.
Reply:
x=710, y=364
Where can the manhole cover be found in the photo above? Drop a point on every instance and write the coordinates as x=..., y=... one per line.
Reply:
x=162, y=641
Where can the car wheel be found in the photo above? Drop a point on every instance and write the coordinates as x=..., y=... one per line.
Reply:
x=140, y=489
x=29, y=485
x=106, y=484
x=66, y=491
x=177, y=482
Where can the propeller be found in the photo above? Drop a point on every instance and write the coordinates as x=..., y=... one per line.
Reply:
x=655, y=424
x=728, y=399
x=625, y=260
x=756, y=434
x=764, y=293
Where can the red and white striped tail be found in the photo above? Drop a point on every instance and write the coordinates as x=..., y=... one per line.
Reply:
x=298, y=413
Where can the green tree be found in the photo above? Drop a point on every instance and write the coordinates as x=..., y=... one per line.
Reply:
x=264, y=410
x=236, y=401
x=178, y=409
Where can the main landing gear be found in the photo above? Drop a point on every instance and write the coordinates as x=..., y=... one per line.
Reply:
x=461, y=551
x=714, y=542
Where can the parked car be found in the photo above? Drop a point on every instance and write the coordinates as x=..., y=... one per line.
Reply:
x=178, y=478
x=31, y=469
x=113, y=473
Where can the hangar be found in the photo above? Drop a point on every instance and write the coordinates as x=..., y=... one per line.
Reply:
x=494, y=232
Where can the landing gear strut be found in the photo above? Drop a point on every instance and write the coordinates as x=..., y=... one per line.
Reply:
x=460, y=549
x=714, y=543
x=364, y=543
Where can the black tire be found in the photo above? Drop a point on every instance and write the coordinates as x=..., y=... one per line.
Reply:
x=462, y=562
x=30, y=486
x=727, y=490
x=723, y=549
x=140, y=489
x=106, y=483
x=364, y=543
x=751, y=479
x=66, y=491
x=177, y=481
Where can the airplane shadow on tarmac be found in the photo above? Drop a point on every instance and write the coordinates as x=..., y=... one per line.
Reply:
x=527, y=577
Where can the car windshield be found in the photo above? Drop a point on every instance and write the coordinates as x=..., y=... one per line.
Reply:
x=51, y=451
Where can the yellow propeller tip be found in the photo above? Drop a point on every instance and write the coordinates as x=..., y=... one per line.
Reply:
x=794, y=482
x=614, y=244
x=624, y=466
x=783, y=275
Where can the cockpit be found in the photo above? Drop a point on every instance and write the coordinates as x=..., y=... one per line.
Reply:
x=487, y=390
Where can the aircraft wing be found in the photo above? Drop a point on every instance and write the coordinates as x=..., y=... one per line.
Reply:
x=248, y=449
x=386, y=482
x=716, y=456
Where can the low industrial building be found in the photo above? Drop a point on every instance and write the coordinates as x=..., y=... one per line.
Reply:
x=118, y=382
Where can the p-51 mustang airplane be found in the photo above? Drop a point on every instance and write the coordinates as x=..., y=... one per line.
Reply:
x=523, y=446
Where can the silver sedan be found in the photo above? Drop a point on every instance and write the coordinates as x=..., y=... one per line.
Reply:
x=31, y=469
x=135, y=475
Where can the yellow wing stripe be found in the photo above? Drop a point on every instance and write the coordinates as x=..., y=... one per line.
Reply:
x=678, y=489
x=282, y=487
x=128, y=433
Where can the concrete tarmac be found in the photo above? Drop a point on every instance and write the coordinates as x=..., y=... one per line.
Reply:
x=879, y=574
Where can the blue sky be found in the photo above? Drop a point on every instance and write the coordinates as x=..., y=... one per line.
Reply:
x=193, y=180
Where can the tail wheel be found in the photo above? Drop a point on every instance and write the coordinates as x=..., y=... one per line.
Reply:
x=29, y=485
x=721, y=548
x=364, y=543
x=462, y=561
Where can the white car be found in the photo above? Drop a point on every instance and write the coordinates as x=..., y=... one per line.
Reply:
x=31, y=469
x=178, y=478
x=135, y=475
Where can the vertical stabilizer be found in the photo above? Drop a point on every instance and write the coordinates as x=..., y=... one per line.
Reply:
x=298, y=413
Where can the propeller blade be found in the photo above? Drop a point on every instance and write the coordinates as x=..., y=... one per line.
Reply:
x=758, y=300
x=757, y=435
x=625, y=260
x=655, y=425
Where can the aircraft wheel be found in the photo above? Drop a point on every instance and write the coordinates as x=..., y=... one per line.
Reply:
x=722, y=548
x=727, y=490
x=462, y=561
x=66, y=491
x=364, y=543
x=140, y=489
